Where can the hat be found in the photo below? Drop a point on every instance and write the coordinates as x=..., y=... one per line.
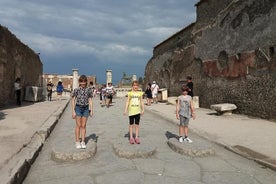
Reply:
x=153, y=82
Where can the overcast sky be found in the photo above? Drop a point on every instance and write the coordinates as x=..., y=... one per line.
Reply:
x=95, y=35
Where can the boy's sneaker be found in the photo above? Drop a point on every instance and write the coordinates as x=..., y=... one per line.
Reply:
x=180, y=139
x=131, y=141
x=187, y=139
x=78, y=145
x=83, y=146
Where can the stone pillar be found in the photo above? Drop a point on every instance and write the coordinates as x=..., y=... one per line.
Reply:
x=134, y=78
x=196, y=101
x=75, y=78
x=108, y=76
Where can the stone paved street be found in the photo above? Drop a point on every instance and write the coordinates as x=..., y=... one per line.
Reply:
x=153, y=161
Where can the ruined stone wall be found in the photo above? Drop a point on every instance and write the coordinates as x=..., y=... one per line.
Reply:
x=180, y=39
x=207, y=11
x=16, y=60
x=232, y=59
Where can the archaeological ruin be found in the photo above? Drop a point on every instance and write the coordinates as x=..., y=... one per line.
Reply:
x=16, y=60
x=230, y=53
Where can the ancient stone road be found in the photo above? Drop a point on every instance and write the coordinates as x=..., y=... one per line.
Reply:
x=108, y=129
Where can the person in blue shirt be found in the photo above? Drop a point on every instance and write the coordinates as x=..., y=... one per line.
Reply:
x=59, y=90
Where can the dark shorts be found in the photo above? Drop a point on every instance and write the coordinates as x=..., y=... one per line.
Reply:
x=134, y=119
x=82, y=110
x=109, y=96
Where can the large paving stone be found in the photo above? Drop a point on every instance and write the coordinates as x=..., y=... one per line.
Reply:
x=124, y=149
x=199, y=148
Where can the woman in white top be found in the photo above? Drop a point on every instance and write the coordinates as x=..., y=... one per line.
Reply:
x=154, y=90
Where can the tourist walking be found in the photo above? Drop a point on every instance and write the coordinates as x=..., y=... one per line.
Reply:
x=154, y=90
x=109, y=94
x=135, y=108
x=148, y=94
x=17, y=88
x=50, y=90
x=91, y=85
x=184, y=111
x=60, y=89
x=103, y=95
x=190, y=85
x=82, y=107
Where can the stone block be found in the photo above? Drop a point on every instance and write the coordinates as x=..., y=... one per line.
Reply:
x=34, y=93
x=224, y=108
x=162, y=95
x=196, y=101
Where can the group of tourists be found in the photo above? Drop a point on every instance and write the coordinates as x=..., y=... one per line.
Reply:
x=106, y=94
x=82, y=108
x=59, y=90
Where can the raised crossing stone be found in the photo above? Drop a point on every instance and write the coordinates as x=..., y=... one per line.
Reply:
x=199, y=148
x=224, y=108
x=73, y=154
x=124, y=149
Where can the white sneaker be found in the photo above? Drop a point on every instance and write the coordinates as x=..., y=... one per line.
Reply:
x=187, y=139
x=83, y=146
x=180, y=139
x=78, y=145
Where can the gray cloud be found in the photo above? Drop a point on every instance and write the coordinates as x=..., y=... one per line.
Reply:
x=117, y=34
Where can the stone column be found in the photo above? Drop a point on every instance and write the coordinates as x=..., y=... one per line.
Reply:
x=134, y=78
x=75, y=78
x=108, y=76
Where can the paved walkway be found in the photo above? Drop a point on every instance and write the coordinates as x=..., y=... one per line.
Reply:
x=23, y=131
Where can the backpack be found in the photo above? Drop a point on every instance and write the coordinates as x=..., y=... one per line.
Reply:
x=59, y=88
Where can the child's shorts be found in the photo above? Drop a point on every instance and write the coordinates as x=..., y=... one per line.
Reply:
x=82, y=110
x=135, y=119
x=184, y=121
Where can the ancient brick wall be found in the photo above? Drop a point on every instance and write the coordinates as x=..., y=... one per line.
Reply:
x=16, y=60
x=232, y=59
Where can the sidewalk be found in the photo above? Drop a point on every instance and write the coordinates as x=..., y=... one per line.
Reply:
x=250, y=137
x=23, y=130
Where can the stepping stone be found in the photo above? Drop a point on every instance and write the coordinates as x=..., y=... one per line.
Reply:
x=198, y=148
x=70, y=153
x=124, y=149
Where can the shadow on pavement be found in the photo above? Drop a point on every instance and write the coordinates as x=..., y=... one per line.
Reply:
x=2, y=115
x=93, y=137
x=170, y=135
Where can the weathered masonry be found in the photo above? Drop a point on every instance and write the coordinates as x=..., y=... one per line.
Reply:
x=16, y=60
x=230, y=53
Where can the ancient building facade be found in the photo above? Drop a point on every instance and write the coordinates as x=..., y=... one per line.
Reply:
x=230, y=53
x=16, y=60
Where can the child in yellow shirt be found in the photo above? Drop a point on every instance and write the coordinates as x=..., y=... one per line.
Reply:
x=135, y=108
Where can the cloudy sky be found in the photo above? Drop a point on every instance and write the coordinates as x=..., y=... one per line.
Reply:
x=95, y=35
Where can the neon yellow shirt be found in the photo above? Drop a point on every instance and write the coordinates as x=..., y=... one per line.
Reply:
x=134, y=106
